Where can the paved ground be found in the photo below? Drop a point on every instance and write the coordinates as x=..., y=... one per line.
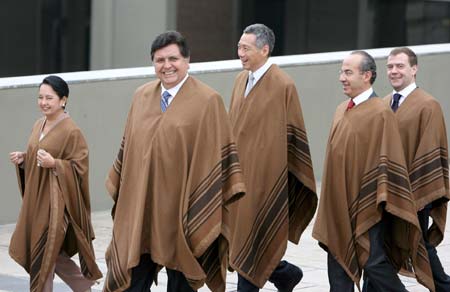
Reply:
x=307, y=255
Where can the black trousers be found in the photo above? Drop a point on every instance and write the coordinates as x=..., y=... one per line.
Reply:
x=142, y=277
x=378, y=271
x=282, y=276
x=441, y=279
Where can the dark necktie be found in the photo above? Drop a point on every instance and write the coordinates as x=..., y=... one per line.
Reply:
x=350, y=104
x=165, y=101
x=395, y=104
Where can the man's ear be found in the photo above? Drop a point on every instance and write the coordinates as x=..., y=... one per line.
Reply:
x=367, y=75
x=265, y=50
x=415, y=68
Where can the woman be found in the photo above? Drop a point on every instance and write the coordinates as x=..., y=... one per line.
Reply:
x=54, y=222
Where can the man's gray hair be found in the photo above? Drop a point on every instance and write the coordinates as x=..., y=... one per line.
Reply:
x=367, y=64
x=264, y=35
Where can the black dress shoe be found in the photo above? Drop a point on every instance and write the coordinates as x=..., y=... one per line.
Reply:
x=288, y=286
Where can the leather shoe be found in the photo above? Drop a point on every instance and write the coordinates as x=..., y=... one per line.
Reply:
x=288, y=286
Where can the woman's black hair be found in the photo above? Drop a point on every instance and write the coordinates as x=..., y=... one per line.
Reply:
x=57, y=84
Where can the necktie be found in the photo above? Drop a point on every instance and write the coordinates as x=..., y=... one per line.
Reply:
x=251, y=80
x=395, y=104
x=350, y=104
x=165, y=101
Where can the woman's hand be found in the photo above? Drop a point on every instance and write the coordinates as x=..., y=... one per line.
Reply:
x=17, y=157
x=45, y=159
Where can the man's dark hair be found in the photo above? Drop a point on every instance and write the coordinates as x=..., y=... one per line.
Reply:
x=367, y=64
x=168, y=38
x=412, y=57
x=57, y=84
x=264, y=35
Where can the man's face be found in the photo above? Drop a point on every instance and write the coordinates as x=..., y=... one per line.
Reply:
x=252, y=58
x=354, y=82
x=400, y=72
x=170, y=66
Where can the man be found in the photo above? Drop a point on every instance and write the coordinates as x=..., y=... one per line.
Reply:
x=270, y=135
x=366, y=218
x=176, y=173
x=422, y=131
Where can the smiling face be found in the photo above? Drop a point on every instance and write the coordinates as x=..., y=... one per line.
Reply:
x=400, y=72
x=170, y=66
x=50, y=104
x=252, y=57
x=354, y=82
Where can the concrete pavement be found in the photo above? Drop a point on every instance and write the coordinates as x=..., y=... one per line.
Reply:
x=308, y=255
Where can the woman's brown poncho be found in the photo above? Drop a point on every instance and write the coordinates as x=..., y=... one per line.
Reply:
x=56, y=210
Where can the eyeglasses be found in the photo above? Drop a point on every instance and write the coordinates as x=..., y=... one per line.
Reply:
x=348, y=73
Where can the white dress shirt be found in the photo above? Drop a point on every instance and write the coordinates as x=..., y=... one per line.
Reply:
x=260, y=72
x=362, y=97
x=174, y=90
x=404, y=93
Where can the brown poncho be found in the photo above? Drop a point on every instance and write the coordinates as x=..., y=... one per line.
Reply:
x=56, y=211
x=422, y=131
x=172, y=181
x=365, y=177
x=281, y=195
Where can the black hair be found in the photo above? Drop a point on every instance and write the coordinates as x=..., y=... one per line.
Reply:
x=168, y=38
x=57, y=84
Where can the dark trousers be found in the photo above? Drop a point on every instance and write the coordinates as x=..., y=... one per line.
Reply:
x=378, y=271
x=441, y=279
x=281, y=277
x=142, y=277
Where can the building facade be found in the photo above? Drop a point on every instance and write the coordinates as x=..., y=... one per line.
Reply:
x=47, y=36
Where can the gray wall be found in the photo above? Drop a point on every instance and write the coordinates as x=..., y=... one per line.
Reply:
x=99, y=102
x=122, y=31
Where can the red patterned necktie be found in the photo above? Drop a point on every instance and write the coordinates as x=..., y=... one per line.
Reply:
x=350, y=104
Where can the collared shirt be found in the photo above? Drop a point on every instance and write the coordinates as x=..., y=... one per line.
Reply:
x=404, y=92
x=174, y=90
x=260, y=72
x=362, y=97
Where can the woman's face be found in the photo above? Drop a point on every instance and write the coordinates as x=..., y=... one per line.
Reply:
x=49, y=102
